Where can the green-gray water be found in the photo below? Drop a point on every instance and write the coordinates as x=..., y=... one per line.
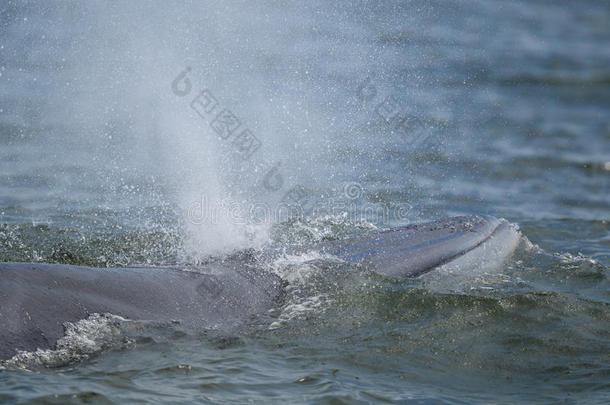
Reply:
x=104, y=163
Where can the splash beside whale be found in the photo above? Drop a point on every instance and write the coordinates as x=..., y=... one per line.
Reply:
x=228, y=294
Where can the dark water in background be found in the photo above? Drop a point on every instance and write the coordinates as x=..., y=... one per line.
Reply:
x=508, y=109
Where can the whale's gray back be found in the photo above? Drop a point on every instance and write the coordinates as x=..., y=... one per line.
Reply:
x=36, y=299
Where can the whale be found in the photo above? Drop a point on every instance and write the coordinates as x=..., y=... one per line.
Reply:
x=228, y=294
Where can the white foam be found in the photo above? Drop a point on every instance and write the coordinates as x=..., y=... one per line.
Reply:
x=579, y=258
x=302, y=296
x=298, y=268
x=82, y=339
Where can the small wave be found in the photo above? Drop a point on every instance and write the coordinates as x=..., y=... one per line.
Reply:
x=312, y=230
x=569, y=258
x=581, y=267
x=307, y=290
x=103, y=246
x=557, y=80
x=529, y=246
x=300, y=309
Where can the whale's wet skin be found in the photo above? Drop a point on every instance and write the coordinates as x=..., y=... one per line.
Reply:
x=226, y=294
x=145, y=147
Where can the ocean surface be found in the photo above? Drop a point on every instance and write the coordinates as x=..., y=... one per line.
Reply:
x=336, y=118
